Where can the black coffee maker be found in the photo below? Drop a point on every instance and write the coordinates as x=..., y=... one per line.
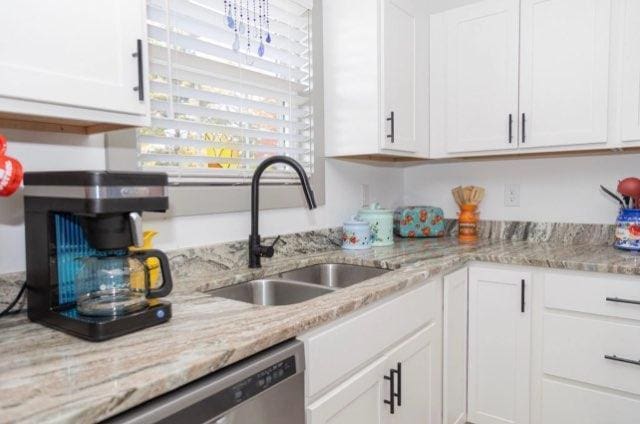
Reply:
x=82, y=277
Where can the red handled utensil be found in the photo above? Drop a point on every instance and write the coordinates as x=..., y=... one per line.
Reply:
x=11, y=171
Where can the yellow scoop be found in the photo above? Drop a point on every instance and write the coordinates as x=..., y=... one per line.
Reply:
x=152, y=264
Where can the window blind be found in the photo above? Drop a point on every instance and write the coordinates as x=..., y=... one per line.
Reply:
x=218, y=112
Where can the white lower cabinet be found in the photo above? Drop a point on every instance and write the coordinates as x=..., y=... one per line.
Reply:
x=589, y=348
x=487, y=344
x=413, y=370
x=400, y=383
x=454, y=332
x=564, y=403
x=499, y=346
x=416, y=364
x=357, y=400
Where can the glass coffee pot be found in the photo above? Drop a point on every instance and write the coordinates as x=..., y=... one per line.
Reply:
x=120, y=285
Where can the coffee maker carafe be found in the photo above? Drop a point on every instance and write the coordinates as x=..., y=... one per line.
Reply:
x=81, y=276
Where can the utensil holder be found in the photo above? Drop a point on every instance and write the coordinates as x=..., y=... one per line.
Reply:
x=468, y=223
x=628, y=230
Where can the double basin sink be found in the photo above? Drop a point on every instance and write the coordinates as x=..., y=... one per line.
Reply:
x=299, y=284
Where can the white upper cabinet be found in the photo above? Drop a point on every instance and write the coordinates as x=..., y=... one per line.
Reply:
x=511, y=76
x=631, y=72
x=481, y=76
x=375, y=78
x=564, y=72
x=74, y=60
x=399, y=74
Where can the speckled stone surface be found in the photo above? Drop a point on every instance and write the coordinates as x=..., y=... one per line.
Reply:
x=48, y=376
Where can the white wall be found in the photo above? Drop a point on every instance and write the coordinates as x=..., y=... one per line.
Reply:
x=343, y=198
x=40, y=151
x=46, y=151
x=551, y=189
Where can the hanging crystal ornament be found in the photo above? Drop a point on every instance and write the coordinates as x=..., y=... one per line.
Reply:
x=260, y=19
x=247, y=57
x=268, y=39
x=236, y=37
x=241, y=27
x=248, y=27
x=239, y=17
x=227, y=13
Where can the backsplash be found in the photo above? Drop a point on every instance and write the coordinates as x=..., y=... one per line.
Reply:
x=233, y=255
x=552, y=232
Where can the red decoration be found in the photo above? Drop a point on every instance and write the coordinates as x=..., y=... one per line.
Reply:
x=11, y=171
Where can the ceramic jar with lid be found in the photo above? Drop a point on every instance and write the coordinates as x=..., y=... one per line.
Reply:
x=381, y=221
x=356, y=234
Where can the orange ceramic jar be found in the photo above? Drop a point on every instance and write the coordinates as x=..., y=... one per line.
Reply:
x=468, y=223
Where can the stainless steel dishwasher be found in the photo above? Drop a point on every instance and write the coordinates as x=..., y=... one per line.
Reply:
x=266, y=388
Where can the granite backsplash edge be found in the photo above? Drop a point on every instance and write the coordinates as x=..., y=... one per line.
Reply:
x=233, y=255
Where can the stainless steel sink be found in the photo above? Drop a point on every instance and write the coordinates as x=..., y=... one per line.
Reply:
x=333, y=275
x=271, y=291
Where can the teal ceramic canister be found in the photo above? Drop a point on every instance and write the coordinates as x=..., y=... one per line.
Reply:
x=381, y=221
x=356, y=234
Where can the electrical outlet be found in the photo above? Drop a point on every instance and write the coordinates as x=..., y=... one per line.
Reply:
x=512, y=195
x=365, y=194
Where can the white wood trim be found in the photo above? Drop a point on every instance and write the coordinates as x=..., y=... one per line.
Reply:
x=455, y=336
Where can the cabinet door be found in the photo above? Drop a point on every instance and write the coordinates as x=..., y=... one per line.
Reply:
x=564, y=72
x=357, y=400
x=454, y=387
x=481, y=76
x=499, y=346
x=73, y=53
x=404, y=74
x=419, y=378
x=631, y=73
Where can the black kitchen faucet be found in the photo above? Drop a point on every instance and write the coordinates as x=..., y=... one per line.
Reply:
x=256, y=250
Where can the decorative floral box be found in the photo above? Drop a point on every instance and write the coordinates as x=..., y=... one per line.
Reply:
x=418, y=221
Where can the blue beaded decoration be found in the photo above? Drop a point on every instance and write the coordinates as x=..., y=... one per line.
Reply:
x=243, y=23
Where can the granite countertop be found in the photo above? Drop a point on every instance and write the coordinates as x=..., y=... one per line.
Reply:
x=48, y=376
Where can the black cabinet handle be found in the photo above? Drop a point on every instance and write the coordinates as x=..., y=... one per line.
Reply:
x=618, y=300
x=510, y=128
x=398, y=394
x=140, y=87
x=392, y=136
x=524, y=128
x=522, y=295
x=617, y=358
x=392, y=394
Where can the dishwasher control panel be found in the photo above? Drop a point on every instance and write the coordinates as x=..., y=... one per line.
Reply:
x=262, y=380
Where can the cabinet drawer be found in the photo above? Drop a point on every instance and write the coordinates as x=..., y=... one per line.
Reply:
x=564, y=403
x=338, y=349
x=575, y=348
x=586, y=293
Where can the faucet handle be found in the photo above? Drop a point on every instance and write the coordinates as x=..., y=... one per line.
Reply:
x=278, y=239
x=268, y=251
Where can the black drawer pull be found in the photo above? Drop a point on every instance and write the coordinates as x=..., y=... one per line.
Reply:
x=522, y=296
x=617, y=358
x=524, y=128
x=392, y=119
x=510, y=128
x=618, y=300
x=398, y=395
x=138, y=55
x=392, y=394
